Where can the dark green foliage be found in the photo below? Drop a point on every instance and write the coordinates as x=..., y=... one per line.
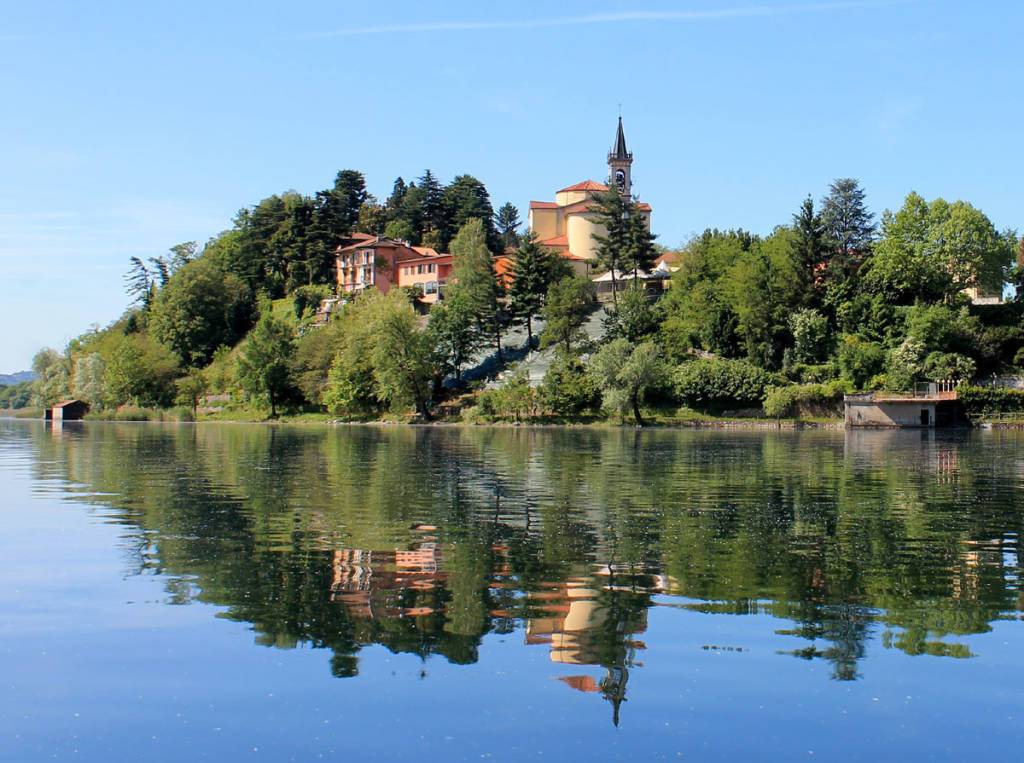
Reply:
x=610, y=209
x=567, y=389
x=719, y=383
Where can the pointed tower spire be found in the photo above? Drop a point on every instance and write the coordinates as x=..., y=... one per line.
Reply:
x=620, y=152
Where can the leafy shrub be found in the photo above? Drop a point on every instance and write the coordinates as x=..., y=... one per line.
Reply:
x=812, y=336
x=567, y=389
x=805, y=399
x=1018, y=359
x=804, y=373
x=949, y=365
x=514, y=399
x=722, y=383
x=860, y=359
x=987, y=400
x=905, y=364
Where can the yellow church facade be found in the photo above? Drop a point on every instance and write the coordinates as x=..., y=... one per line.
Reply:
x=568, y=224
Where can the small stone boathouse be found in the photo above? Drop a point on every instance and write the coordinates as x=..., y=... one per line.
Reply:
x=930, y=405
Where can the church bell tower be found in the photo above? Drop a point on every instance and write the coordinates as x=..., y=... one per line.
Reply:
x=620, y=161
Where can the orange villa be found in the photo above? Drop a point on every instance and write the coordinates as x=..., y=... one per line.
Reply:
x=382, y=263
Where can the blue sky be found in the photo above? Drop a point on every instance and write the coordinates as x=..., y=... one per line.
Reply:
x=133, y=126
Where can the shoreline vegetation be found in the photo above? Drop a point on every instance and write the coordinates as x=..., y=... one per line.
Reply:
x=748, y=331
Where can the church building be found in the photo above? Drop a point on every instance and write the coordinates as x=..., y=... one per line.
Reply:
x=567, y=225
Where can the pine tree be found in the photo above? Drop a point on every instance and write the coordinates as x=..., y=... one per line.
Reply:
x=809, y=245
x=847, y=223
x=398, y=191
x=611, y=209
x=640, y=252
x=530, y=275
x=465, y=199
x=507, y=222
x=139, y=283
x=432, y=204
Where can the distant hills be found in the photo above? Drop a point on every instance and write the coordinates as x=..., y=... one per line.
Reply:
x=6, y=380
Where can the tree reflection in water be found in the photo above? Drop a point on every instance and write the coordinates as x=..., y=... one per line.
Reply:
x=427, y=540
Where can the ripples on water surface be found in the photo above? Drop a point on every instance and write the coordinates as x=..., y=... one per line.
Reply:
x=448, y=594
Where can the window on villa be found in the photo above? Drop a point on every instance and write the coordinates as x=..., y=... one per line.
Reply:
x=430, y=287
x=419, y=269
x=430, y=268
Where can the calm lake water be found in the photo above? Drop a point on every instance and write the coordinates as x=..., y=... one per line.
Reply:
x=231, y=592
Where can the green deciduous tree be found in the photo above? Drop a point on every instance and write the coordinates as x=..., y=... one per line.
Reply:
x=200, y=309
x=932, y=250
x=624, y=372
x=811, y=336
x=53, y=377
x=138, y=371
x=87, y=380
x=567, y=389
x=568, y=303
x=860, y=359
x=264, y=363
x=403, y=366
x=190, y=389
x=636, y=316
x=455, y=333
x=474, y=276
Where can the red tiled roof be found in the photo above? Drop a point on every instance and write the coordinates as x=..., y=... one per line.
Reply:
x=543, y=205
x=643, y=206
x=586, y=185
x=555, y=241
x=570, y=256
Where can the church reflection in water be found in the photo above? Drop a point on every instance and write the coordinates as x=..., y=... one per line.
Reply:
x=587, y=619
